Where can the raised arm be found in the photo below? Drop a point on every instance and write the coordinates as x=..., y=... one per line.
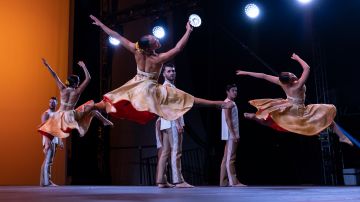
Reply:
x=83, y=85
x=124, y=41
x=60, y=84
x=272, y=79
x=306, y=70
x=164, y=57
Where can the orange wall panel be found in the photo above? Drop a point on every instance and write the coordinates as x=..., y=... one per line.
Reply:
x=29, y=30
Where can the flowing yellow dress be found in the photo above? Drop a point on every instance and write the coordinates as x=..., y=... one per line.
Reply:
x=292, y=115
x=63, y=122
x=142, y=99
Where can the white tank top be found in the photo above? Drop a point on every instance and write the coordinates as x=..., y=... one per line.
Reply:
x=225, y=132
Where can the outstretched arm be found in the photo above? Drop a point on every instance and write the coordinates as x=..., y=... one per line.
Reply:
x=54, y=75
x=164, y=57
x=124, y=41
x=272, y=79
x=306, y=69
x=83, y=85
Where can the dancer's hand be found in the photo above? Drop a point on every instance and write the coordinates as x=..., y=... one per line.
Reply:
x=188, y=26
x=234, y=138
x=179, y=129
x=61, y=144
x=44, y=61
x=96, y=21
x=295, y=57
x=81, y=64
x=240, y=72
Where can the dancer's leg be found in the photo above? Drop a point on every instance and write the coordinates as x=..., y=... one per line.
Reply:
x=252, y=116
x=340, y=134
x=163, y=157
x=104, y=106
x=104, y=120
x=90, y=107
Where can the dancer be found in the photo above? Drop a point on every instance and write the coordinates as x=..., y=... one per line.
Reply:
x=170, y=138
x=142, y=98
x=229, y=133
x=49, y=147
x=291, y=114
x=67, y=117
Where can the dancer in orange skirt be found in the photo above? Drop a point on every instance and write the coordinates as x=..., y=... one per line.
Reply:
x=67, y=118
x=291, y=114
x=142, y=98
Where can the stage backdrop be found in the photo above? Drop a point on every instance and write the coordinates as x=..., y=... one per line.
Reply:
x=29, y=30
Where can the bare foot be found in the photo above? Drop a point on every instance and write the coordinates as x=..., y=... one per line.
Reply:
x=238, y=185
x=109, y=108
x=105, y=106
x=249, y=115
x=184, y=185
x=53, y=185
x=346, y=140
x=50, y=185
x=166, y=185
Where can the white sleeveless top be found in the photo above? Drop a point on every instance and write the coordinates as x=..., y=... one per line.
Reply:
x=165, y=124
x=225, y=133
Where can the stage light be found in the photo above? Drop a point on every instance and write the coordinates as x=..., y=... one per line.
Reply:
x=252, y=10
x=114, y=41
x=159, y=27
x=195, y=20
x=158, y=32
x=304, y=1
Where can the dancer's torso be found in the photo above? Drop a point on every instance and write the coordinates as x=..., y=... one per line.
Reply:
x=295, y=94
x=68, y=99
x=148, y=63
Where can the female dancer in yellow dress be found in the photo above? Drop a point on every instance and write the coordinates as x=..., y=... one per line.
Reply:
x=291, y=114
x=142, y=98
x=67, y=118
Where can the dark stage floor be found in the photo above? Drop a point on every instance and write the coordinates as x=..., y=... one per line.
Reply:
x=154, y=194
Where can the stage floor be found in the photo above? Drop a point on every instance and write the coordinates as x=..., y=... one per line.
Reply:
x=154, y=194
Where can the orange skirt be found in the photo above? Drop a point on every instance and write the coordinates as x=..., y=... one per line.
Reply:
x=62, y=122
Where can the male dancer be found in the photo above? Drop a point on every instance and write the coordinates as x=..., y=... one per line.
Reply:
x=170, y=140
x=49, y=147
x=229, y=133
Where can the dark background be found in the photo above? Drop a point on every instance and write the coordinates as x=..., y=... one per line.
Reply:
x=324, y=33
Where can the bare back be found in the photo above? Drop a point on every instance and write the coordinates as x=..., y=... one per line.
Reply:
x=68, y=99
x=147, y=63
x=294, y=91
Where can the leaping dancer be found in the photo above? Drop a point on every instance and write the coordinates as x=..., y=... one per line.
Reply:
x=67, y=117
x=142, y=98
x=291, y=114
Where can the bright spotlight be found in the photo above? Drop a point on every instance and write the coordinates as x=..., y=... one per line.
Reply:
x=252, y=10
x=158, y=32
x=195, y=20
x=304, y=1
x=114, y=41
